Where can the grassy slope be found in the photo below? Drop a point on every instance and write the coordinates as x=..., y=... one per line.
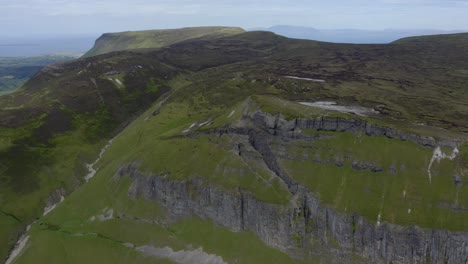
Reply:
x=239, y=66
x=413, y=83
x=155, y=139
x=161, y=138
x=149, y=136
x=154, y=38
x=390, y=195
x=64, y=99
x=402, y=186
x=56, y=124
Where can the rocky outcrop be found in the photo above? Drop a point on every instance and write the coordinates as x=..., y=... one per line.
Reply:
x=55, y=197
x=304, y=225
x=278, y=125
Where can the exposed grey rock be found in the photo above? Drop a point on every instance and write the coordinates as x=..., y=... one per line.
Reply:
x=339, y=161
x=277, y=125
x=183, y=256
x=110, y=73
x=304, y=224
x=457, y=179
x=292, y=227
x=55, y=197
x=361, y=165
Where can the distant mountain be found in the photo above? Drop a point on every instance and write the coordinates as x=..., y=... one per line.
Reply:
x=154, y=38
x=351, y=35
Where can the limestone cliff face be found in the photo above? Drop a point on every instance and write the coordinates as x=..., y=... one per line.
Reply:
x=304, y=227
x=280, y=125
x=302, y=224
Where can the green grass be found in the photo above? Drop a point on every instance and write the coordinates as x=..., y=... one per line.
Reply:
x=290, y=110
x=276, y=104
x=9, y=228
x=372, y=193
x=160, y=138
x=24, y=195
x=54, y=237
x=103, y=242
x=58, y=247
x=63, y=127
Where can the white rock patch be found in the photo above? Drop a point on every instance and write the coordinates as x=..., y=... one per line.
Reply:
x=183, y=256
x=49, y=209
x=107, y=214
x=19, y=247
x=196, y=124
x=305, y=79
x=90, y=167
x=333, y=106
x=232, y=113
x=438, y=156
x=129, y=245
x=116, y=81
x=204, y=123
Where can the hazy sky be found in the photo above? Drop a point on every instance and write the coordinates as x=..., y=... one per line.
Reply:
x=26, y=17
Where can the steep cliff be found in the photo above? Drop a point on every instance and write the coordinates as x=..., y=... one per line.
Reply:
x=305, y=224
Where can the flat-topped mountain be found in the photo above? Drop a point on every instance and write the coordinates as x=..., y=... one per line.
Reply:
x=155, y=38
